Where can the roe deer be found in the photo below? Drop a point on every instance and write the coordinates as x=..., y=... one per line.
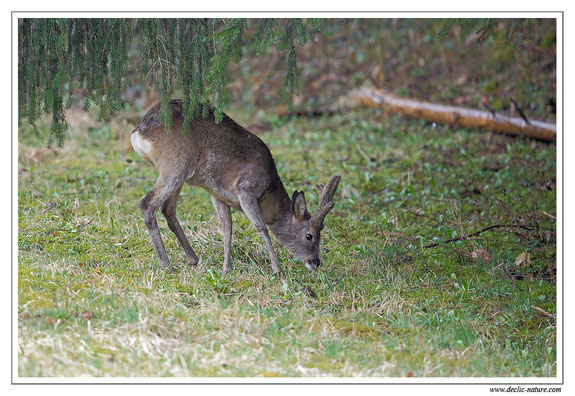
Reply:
x=237, y=169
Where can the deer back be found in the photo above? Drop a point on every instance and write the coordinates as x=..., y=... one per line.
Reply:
x=219, y=157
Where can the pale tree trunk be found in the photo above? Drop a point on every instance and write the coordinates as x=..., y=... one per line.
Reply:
x=452, y=115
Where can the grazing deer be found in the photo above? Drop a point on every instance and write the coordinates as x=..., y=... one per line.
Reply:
x=237, y=169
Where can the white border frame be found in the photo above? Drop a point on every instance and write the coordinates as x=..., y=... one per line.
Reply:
x=498, y=381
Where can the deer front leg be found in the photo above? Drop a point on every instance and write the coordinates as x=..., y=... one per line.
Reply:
x=225, y=216
x=169, y=212
x=149, y=205
x=252, y=210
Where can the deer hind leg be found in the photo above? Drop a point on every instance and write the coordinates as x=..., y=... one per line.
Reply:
x=162, y=190
x=169, y=211
x=225, y=216
x=252, y=210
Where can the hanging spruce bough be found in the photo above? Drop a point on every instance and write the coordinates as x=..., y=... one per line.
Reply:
x=57, y=57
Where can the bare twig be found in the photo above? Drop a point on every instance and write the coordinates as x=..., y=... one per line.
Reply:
x=520, y=111
x=545, y=313
x=363, y=154
x=491, y=227
x=76, y=227
x=548, y=214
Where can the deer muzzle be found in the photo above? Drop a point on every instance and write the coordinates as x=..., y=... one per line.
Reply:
x=313, y=264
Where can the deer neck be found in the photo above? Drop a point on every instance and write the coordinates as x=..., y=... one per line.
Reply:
x=276, y=210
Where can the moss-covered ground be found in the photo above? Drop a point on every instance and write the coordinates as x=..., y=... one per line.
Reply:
x=92, y=300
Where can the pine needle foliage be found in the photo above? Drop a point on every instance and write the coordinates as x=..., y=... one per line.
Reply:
x=486, y=29
x=58, y=57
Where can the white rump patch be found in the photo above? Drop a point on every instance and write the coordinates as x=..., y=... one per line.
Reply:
x=141, y=146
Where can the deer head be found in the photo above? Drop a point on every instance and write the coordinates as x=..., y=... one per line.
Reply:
x=302, y=233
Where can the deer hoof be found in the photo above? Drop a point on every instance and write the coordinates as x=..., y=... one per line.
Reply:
x=168, y=269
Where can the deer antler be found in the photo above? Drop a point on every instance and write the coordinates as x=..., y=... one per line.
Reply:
x=325, y=201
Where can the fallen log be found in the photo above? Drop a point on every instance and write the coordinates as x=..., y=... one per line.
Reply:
x=452, y=115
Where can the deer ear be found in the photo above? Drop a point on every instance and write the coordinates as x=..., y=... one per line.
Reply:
x=294, y=195
x=298, y=205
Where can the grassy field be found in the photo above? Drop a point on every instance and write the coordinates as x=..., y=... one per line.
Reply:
x=92, y=300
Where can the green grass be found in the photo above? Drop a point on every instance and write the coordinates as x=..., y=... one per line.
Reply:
x=92, y=300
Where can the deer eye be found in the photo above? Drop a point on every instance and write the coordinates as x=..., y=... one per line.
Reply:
x=309, y=237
